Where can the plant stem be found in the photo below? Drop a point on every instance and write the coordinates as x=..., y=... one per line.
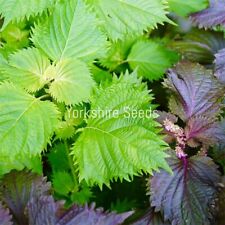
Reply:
x=44, y=96
x=74, y=175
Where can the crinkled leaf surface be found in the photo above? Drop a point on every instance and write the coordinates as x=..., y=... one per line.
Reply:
x=212, y=16
x=151, y=59
x=205, y=130
x=27, y=195
x=42, y=211
x=220, y=65
x=26, y=68
x=129, y=17
x=195, y=91
x=185, y=197
x=72, y=82
x=183, y=8
x=115, y=143
x=62, y=182
x=5, y=218
x=18, y=188
x=26, y=122
x=70, y=32
x=16, y=10
x=199, y=45
x=149, y=218
x=90, y=216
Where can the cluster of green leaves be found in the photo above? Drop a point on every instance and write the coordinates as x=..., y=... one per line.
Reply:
x=72, y=75
x=53, y=75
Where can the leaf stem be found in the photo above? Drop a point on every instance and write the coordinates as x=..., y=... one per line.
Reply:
x=44, y=96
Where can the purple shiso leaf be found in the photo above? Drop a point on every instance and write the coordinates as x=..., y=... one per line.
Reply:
x=5, y=217
x=18, y=188
x=185, y=197
x=220, y=65
x=195, y=91
x=150, y=217
x=203, y=130
x=199, y=45
x=90, y=216
x=212, y=16
x=42, y=211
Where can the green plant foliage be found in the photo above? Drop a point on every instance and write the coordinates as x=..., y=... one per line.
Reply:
x=3, y=62
x=62, y=182
x=129, y=17
x=14, y=37
x=80, y=82
x=64, y=179
x=127, y=143
x=16, y=10
x=33, y=163
x=83, y=195
x=58, y=158
x=183, y=8
x=71, y=81
x=117, y=54
x=65, y=130
x=26, y=120
x=70, y=32
x=100, y=75
x=75, y=115
x=150, y=59
x=122, y=205
x=26, y=68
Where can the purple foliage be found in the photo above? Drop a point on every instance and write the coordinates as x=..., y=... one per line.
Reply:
x=18, y=188
x=204, y=130
x=5, y=217
x=90, y=216
x=220, y=65
x=197, y=98
x=199, y=45
x=42, y=211
x=27, y=197
x=185, y=196
x=212, y=16
x=150, y=217
x=195, y=91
